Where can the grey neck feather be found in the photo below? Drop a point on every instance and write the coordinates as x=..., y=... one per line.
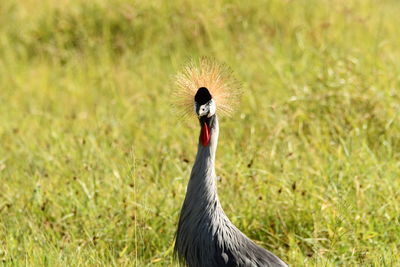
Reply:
x=202, y=184
x=205, y=236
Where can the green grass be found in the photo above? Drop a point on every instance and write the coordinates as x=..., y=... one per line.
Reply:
x=94, y=163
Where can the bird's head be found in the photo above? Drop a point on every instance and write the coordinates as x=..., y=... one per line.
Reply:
x=204, y=105
x=209, y=87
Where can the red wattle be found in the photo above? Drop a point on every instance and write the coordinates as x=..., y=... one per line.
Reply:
x=205, y=135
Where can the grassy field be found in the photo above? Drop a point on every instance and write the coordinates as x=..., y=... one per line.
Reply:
x=94, y=163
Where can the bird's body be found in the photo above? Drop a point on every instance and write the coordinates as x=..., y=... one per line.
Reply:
x=205, y=236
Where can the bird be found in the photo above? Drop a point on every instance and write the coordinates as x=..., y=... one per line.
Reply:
x=205, y=236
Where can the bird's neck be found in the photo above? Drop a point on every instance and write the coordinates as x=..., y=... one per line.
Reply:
x=202, y=182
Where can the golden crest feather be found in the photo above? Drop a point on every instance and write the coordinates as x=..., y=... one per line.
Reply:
x=217, y=78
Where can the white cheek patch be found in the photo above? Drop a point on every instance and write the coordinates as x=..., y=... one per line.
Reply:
x=203, y=110
x=208, y=109
x=212, y=108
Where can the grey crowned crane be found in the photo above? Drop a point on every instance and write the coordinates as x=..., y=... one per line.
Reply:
x=205, y=236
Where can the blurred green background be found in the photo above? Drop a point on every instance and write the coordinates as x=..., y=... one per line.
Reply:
x=94, y=163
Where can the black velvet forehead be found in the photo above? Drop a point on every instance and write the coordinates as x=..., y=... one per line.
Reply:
x=202, y=96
